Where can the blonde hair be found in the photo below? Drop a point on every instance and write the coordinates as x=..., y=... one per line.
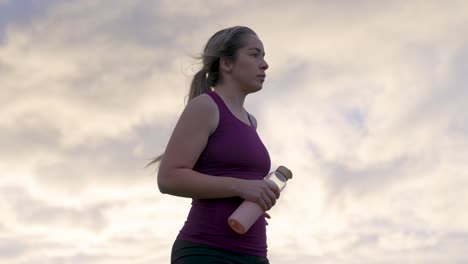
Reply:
x=223, y=44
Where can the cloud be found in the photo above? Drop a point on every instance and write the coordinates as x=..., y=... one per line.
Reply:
x=33, y=212
x=103, y=82
x=100, y=103
x=401, y=241
x=11, y=248
x=21, y=13
x=113, y=231
x=366, y=117
x=113, y=163
x=363, y=102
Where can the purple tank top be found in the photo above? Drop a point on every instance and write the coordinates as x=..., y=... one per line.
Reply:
x=233, y=150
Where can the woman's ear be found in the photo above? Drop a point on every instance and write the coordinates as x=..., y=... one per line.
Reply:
x=225, y=64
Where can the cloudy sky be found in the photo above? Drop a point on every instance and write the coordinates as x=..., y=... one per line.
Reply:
x=365, y=101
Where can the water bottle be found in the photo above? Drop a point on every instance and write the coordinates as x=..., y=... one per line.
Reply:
x=249, y=212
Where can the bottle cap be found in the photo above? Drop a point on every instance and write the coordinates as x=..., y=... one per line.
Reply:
x=285, y=171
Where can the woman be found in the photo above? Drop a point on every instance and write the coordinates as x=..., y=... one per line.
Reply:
x=215, y=156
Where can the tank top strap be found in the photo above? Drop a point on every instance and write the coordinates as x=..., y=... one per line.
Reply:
x=219, y=101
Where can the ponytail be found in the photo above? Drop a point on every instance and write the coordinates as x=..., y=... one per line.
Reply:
x=200, y=84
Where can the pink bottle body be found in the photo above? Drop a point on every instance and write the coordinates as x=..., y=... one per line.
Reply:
x=245, y=216
x=249, y=212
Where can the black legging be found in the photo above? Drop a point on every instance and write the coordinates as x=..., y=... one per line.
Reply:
x=190, y=253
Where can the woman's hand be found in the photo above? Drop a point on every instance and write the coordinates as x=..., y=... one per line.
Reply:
x=262, y=192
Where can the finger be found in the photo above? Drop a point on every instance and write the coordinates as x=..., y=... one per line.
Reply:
x=261, y=201
x=277, y=192
x=274, y=188
x=272, y=197
x=270, y=192
x=267, y=215
x=267, y=200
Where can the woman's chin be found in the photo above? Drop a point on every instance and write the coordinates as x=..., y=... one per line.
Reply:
x=257, y=87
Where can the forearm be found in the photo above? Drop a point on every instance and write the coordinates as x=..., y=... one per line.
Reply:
x=192, y=184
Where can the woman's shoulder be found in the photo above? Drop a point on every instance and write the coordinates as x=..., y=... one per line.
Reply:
x=203, y=103
x=203, y=107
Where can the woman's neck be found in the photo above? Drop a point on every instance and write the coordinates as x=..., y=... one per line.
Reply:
x=232, y=97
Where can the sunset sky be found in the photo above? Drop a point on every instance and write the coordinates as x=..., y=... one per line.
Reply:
x=365, y=101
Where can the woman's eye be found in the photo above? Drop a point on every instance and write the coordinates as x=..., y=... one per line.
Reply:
x=254, y=55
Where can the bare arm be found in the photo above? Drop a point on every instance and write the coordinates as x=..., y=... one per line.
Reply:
x=176, y=175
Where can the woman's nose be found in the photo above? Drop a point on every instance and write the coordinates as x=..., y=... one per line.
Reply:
x=264, y=65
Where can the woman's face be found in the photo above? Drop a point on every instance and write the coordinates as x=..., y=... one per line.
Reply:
x=249, y=67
